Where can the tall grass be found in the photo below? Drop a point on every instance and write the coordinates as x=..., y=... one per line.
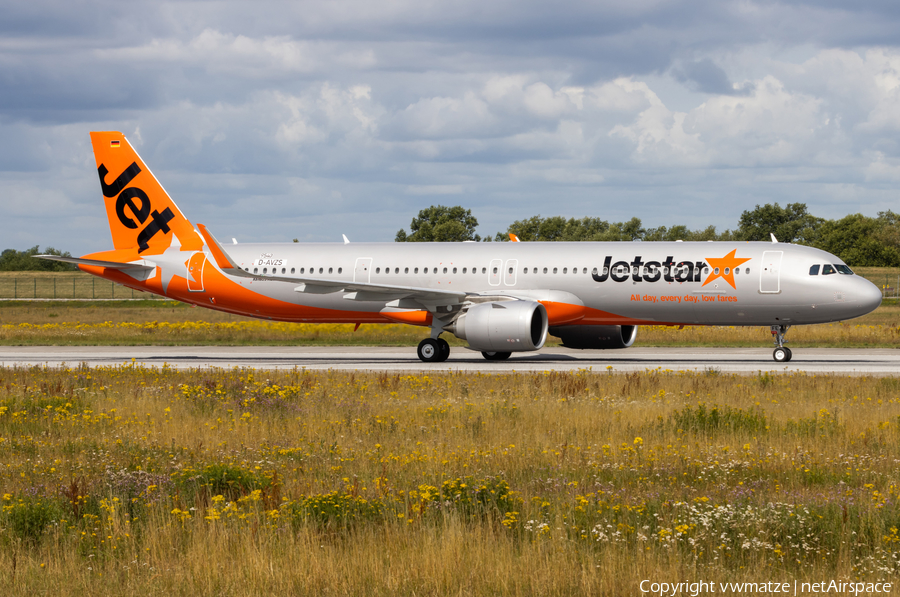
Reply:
x=168, y=323
x=132, y=480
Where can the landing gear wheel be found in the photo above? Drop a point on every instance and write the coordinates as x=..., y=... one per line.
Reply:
x=444, y=349
x=429, y=351
x=781, y=354
x=496, y=356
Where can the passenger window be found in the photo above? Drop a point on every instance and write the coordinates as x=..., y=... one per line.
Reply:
x=594, y=271
x=814, y=270
x=605, y=271
x=454, y=270
x=525, y=271
x=330, y=270
x=265, y=270
x=565, y=270
x=416, y=270
x=746, y=270
x=510, y=270
x=534, y=271
x=320, y=270
x=255, y=270
x=377, y=270
x=827, y=270
x=554, y=270
x=445, y=270
x=727, y=270
x=545, y=270
x=425, y=270
x=706, y=270
x=484, y=270
x=716, y=271
x=405, y=270
x=584, y=271
x=495, y=270
x=340, y=269
x=464, y=270
x=737, y=270
x=292, y=270
x=302, y=270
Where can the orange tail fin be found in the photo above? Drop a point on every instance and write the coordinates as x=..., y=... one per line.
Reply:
x=141, y=214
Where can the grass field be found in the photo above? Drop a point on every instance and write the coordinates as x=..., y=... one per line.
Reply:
x=160, y=322
x=135, y=481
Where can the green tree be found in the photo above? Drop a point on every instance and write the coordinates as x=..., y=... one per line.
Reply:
x=789, y=224
x=556, y=228
x=441, y=224
x=12, y=260
x=862, y=241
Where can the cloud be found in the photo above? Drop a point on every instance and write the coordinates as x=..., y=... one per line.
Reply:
x=275, y=121
x=705, y=76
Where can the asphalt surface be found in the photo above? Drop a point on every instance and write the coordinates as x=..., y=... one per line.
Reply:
x=844, y=361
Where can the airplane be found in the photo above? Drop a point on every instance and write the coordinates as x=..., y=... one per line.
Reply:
x=501, y=298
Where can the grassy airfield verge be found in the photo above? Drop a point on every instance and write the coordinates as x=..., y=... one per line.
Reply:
x=133, y=481
x=157, y=322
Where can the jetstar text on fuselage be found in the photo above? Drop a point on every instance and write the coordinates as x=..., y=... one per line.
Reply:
x=638, y=270
x=669, y=270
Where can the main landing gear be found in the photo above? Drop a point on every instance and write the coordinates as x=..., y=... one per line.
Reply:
x=781, y=354
x=433, y=350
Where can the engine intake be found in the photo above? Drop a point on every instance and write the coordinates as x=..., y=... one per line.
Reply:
x=503, y=326
x=596, y=337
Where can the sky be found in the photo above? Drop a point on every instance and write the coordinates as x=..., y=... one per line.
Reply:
x=269, y=121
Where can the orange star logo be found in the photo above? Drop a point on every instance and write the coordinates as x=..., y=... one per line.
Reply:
x=725, y=268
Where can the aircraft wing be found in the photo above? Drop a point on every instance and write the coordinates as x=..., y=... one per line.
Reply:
x=359, y=291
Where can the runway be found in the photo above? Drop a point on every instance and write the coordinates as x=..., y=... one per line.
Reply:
x=844, y=361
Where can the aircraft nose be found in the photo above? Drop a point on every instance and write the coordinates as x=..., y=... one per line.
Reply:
x=869, y=295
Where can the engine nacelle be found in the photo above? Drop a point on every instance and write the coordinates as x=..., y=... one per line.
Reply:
x=503, y=326
x=595, y=337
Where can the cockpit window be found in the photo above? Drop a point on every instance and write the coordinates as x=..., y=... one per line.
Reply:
x=843, y=269
x=827, y=270
x=814, y=270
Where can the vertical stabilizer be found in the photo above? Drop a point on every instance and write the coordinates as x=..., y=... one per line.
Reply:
x=141, y=214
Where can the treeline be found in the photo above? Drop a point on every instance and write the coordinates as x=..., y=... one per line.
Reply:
x=857, y=239
x=24, y=261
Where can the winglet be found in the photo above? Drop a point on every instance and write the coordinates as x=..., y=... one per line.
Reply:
x=774, y=240
x=223, y=260
x=513, y=238
x=346, y=240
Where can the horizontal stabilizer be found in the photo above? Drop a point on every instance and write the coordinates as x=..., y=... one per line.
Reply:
x=143, y=264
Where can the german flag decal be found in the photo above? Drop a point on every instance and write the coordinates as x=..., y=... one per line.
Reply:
x=114, y=143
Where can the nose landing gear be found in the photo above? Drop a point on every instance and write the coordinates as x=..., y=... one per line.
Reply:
x=781, y=354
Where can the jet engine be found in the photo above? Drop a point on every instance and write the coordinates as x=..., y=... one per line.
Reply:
x=503, y=326
x=595, y=337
